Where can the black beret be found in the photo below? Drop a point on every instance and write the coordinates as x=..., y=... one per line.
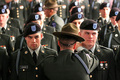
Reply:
x=118, y=17
x=3, y=5
x=3, y=11
x=76, y=16
x=73, y=4
x=104, y=5
x=38, y=7
x=76, y=9
x=33, y=17
x=31, y=28
x=89, y=25
x=114, y=11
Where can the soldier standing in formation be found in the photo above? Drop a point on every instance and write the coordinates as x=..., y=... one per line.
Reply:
x=26, y=66
x=68, y=65
x=50, y=9
x=106, y=68
x=18, y=11
x=104, y=14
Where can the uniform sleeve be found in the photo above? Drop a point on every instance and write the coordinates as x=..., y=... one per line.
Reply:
x=5, y=66
x=13, y=75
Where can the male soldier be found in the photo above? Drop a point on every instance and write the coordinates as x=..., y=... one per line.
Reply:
x=109, y=28
x=26, y=61
x=106, y=69
x=116, y=3
x=50, y=9
x=18, y=11
x=77, y=19
x=83, y=4
x=63, y=10
x=48, y=39
x=104, y=12
x=39, y=10
x=32, y=5
x=68, y=65
x=5, y=28
x=13, y=22
x=94, y=9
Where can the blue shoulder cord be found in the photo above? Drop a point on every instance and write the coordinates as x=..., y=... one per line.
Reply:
x=18, y=55
x=83, y=63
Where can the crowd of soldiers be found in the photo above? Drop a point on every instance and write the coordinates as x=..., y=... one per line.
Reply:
x=60, y=40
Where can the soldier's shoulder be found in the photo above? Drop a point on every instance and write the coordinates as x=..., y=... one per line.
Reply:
x=105, y=48
x=50, y=51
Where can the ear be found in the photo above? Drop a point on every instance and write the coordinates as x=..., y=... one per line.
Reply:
x=41, y=36
x=58, y=43
x=74, y=46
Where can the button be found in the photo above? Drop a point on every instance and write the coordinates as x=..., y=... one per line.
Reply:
x=23, y=69
x=36, y=75
x=90, y=76
x=17, y=16
x=36, y=68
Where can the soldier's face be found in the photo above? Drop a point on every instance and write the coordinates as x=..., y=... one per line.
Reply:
x=3, y=18
x=33, y=41
x=105, y=12
x=47, y=12
x=113, y=20
x=78, y=22
x=90, y=37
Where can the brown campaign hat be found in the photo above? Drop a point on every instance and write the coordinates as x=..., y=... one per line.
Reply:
x=51, y=4
x=69, y=30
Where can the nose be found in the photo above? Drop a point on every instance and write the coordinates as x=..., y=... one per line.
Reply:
x=90, y=35
x=33, y=40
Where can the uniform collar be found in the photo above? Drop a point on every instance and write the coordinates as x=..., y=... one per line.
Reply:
x=36, y=51
x=93, y=48
x=4, y=27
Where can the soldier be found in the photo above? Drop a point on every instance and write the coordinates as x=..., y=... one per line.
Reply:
x=12, y=21
x=48, y=39
x=5, y=28
x=68, y=65
x=50, y=9
x=109, y=28
x=94, y=9
x=83, y=4
x=4, y=64
x=25, y=63
x=18, y=11
x=63, y=10
x=45, y=28
x=104, y=14
x=32, y=5
x=116, y=3
x=5, y=43
x=106, y=68
x=77, y=19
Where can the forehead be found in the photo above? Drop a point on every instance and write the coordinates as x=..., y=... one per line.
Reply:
x=3, y=14
x=90, y=31
x=106, y=8
x=78, y=20
x=41, y=12
x=36, y=34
